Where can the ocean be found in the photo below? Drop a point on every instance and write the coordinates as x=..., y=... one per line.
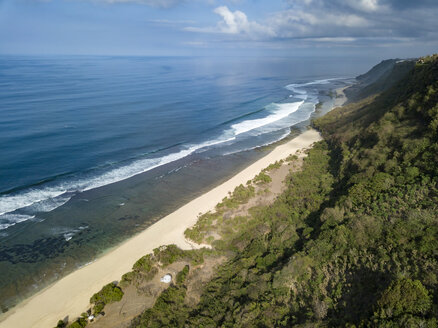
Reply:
x=96, y=148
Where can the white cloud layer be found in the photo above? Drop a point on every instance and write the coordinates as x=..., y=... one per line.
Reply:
x=334, y=21
x=236, y=23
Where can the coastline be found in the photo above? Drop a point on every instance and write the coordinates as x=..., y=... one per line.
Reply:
x=341, y=98
x=70, y=295
x=83, y=282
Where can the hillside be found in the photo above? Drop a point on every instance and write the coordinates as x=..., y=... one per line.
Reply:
x=381, y=77
x=351, y=242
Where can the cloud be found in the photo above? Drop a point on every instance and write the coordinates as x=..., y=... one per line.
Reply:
x=236, y=23
x=336, y=22
x=327, y=21
x=365, y=5
x=357, y=19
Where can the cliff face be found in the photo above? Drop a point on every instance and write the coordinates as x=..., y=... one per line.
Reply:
x=380, y=78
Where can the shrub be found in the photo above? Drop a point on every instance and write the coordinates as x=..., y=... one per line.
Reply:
x=61, y=324
x=182, y=275
x=108, y=294
x=273, y=166
x=144, y=264
x=240, y=195
x=262, y=178
x=404, y=296
x=79, y=323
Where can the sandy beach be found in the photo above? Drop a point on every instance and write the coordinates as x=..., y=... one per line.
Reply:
x=70, y=295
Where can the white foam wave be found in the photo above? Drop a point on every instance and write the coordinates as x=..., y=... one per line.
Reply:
x=145, y=165
x=8, y=220
x=316, y=82
x=10, y=203
x=69, y=235
x=280, y=111
x=284, y=135
x=46, y=199
x=299, y=93
x=50, y=204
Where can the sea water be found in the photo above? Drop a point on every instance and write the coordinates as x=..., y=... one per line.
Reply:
x=94, y=149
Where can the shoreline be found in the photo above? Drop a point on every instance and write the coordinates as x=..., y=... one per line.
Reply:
x=341, y=98
x=70, y=295
x=115, y=262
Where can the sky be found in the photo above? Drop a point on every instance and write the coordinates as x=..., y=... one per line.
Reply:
x=379, y=28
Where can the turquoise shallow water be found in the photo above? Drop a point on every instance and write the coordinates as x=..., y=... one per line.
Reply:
x=97, y=148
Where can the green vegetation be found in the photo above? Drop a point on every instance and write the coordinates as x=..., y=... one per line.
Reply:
x=182, y=275
x=147, y=267
x=240, y=195
x=61, y=324
x=169, y=309
x=80, y=322
x=380, y=78
x=169, y=254
x=353, y=240
x=203, y=226
x=273, y=166
x=404, y=301
x=216, y=222
x=108, y=294
x=291, y=158
x=261, y=178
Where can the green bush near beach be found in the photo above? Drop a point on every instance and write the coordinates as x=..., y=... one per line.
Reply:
x=171, y=253
x=61, y=324
x=273, y=166
x=147, y=267
x=79, y=323
x=240, y=195
x=210, y=221
x=261, y=178
x=108, y=294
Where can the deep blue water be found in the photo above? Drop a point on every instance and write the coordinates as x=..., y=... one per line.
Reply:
x=69, y=125
x=73, y=124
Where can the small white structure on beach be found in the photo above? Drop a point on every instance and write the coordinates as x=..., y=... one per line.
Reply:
x=91, y=318
x=167, y=278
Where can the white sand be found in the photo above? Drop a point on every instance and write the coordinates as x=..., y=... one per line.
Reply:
x=70, y=295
